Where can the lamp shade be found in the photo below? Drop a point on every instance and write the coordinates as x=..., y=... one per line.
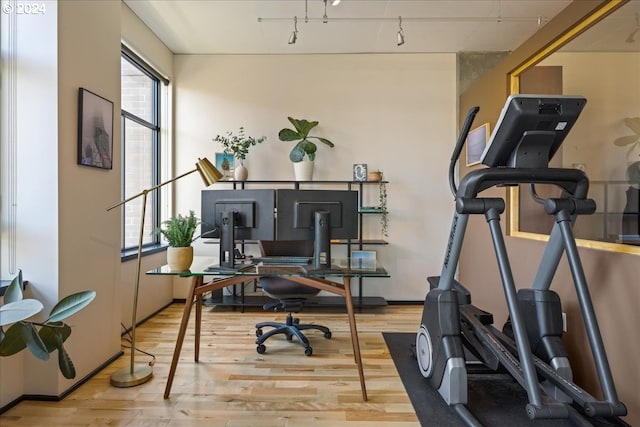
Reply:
x=208, y=172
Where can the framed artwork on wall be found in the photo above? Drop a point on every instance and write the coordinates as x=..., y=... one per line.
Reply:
x=95, y=130
x=476, y=142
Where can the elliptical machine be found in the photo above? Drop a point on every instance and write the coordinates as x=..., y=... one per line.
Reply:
x=529, y=131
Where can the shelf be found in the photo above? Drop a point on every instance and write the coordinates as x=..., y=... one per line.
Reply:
x=352, y=244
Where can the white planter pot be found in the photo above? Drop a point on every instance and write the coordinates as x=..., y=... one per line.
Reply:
x=179, y=259
x=240, y=173
x=303, y=170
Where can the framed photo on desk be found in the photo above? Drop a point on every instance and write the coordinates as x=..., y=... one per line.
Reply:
x=363, y=260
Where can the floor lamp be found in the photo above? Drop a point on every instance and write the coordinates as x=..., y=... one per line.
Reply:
x=136, y=375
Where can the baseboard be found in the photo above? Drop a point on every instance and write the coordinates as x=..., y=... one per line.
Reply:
x=54, y=398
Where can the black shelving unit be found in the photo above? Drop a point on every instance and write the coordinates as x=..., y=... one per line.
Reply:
x=239, y=299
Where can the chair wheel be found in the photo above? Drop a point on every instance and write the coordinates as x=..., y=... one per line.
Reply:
x=308, y=351
x=261, y=349
x=289, y=337
x=259, y=332
x=327, y=335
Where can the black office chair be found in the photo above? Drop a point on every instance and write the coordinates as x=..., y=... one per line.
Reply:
x=290, y=295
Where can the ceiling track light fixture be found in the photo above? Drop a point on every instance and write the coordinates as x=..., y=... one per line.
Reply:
x=540, y=20
x=400, y=37
x=294, y=34
x=325, y=18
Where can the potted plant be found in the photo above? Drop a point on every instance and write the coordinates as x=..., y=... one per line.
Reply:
x=304, y=148
x=52, y=333
x=179, y=231
x=238, y=146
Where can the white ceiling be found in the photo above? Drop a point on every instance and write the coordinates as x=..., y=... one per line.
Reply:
x=231, y=26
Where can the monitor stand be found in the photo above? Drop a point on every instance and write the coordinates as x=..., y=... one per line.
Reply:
x=227, y=245
x=322, y=240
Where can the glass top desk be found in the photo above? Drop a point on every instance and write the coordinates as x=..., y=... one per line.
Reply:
x=340, y=273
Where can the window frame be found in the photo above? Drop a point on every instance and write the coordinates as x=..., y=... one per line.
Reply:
x=154, y=199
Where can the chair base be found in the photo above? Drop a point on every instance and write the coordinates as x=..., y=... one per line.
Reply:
x=290, y=329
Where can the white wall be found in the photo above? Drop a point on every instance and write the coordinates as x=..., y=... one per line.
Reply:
x=396, y=112
x=66, y=240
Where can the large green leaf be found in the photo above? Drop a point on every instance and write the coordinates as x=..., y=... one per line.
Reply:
x=33, y=341
x=19, y=310
x=64, y=360
x=71, y=305
x=51, y=334
x=12, y=341
x=65, y=363
x=325, y=141
x=289, y=135
x=296, y=154
x=303, y=126
x=14, y=290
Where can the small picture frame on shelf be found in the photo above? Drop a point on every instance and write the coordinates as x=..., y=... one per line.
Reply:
x=363, y=260
x=224, y=163
x=360, y=172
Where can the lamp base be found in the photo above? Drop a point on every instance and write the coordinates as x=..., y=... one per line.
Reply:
x=125, y=378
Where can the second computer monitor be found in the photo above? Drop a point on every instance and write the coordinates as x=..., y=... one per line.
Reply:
x=319, y=215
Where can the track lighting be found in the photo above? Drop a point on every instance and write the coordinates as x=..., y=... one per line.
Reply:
x=540, y=20
x=294, y=34
x=400, y=32
x=325, y=18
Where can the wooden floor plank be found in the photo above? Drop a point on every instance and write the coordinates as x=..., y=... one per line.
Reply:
x=234, y=386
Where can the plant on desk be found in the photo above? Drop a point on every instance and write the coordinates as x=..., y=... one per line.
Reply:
x=53, y=331
x=179, y=232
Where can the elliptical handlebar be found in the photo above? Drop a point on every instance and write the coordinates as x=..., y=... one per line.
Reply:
x=462, y=137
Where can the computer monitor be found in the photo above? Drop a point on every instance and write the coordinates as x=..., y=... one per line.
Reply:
x=530, y=130
x=319, y=215
x=232, y=215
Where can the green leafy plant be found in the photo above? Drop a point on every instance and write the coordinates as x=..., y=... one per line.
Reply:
x=382, y=199
x=179, y=230
x=238, y=145
x=301, y=134
x=52, y=333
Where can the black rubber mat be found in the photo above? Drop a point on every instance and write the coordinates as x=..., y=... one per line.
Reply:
x=494, y=399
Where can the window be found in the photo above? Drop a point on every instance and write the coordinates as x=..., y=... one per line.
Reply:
x=144, y=150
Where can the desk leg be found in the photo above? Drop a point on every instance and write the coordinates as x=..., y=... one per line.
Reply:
x=196, y=281
x=196, y=356
x=354, y=334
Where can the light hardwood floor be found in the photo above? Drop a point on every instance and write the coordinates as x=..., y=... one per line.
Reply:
x=234, y=386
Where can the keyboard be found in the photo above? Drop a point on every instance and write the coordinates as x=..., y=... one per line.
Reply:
x=283, y=260
x=279, y=269
x=322, y=271
x=238, y=267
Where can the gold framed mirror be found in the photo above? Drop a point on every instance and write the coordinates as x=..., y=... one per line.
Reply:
x=598, y=58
